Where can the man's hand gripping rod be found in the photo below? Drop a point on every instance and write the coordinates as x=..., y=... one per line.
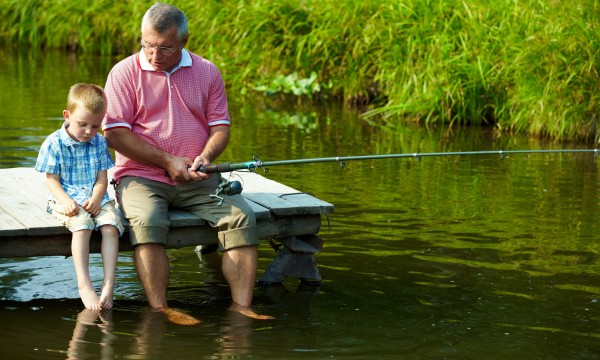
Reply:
x=226, y=167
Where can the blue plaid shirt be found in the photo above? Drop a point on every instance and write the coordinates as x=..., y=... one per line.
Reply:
x=77, y=163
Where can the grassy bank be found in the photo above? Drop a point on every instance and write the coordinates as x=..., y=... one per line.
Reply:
x=529, y=67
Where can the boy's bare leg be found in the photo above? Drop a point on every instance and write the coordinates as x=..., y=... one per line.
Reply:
x=80, y=249
x=239, y=268
x=152, y=267
x=110, y=253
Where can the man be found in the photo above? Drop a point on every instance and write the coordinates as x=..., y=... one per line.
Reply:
x=167, y=116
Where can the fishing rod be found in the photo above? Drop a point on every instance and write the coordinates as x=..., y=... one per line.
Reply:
x=234, y=187
x=257, y=163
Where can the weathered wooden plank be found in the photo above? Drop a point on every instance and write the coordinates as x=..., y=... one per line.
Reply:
x=12, y=226
x=279, y=198
x=36, y=221
x=260, y=212
x=28, y=183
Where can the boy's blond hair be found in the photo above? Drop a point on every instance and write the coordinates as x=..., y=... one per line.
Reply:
x=88, y=96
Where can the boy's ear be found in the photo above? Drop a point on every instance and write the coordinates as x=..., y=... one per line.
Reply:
x=66, y=114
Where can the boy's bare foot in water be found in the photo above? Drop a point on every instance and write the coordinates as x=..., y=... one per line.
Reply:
x=88, y=317
x=178, y=317
x=106, y=297
x=90, y=298
x=246, y=311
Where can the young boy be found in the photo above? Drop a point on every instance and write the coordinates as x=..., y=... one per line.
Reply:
x=75, y=159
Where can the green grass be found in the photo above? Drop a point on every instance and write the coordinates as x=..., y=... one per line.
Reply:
x=520, y=66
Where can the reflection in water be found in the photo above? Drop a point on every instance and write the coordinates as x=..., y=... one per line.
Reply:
x=150, y=332
x=80, y=346
x=235, y=337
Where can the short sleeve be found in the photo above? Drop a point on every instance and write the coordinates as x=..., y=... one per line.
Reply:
x=106, y=160
x=120, y=95
x=216, y=109
x=48, y=160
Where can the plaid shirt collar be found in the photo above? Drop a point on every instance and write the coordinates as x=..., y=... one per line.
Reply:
x=67, y=140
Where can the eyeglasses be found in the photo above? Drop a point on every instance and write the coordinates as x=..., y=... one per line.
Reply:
x=165, y=51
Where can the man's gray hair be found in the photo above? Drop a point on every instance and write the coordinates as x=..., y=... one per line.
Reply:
x=163, y=17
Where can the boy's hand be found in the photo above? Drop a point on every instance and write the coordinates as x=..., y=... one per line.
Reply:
x=92, y=207
x=70, y=208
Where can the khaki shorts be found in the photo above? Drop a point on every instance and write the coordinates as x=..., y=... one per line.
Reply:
x=145, y=203
x=85, y=221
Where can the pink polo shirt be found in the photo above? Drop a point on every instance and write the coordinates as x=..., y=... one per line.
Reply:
x=172, y=111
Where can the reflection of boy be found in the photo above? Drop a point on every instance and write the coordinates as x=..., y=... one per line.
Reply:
x=75, y=159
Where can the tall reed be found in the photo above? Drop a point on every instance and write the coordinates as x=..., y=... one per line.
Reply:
x=521, y=66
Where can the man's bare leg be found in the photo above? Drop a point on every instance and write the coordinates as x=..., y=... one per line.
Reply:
x=152, y=266
x=239, y=268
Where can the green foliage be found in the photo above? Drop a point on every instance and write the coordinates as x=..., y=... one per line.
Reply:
x=291, y=84
x=85, y=25
x=528, y=67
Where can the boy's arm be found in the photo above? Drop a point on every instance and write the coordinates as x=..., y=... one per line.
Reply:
x=69, y=205
x=92, y=205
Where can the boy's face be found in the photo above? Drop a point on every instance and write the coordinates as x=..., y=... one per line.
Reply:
x=83, y=125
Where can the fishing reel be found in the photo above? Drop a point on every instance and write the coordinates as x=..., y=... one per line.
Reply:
x=228, y=188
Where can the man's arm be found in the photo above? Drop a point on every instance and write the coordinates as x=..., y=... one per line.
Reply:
x=216, y=144
x=129, y=144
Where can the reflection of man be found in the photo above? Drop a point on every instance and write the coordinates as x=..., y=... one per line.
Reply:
x=233, y=339
x=236, y=336
x=168, y=115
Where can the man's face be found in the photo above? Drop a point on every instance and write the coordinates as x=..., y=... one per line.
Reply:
x=163, y=51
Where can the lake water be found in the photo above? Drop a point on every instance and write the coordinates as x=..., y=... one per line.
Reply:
x=464, y=257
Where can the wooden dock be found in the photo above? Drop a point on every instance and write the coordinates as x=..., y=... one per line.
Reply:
x=285, y=216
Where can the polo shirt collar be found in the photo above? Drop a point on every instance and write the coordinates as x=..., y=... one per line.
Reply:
x=186, y=60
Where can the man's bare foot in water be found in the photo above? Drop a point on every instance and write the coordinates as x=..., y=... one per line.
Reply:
x=106, y=297
x=90, y=298
x=178, y=317
x=247, y=311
